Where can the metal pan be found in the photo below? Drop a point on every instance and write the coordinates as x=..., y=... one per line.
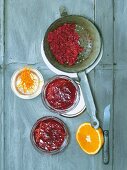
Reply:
x=91, y=41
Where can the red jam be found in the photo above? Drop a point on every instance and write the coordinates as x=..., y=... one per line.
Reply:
x=49, y=134
x=64, y=44
x=61, y=93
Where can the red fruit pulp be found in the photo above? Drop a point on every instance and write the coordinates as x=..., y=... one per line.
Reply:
x=49, y=134
x=64, y=44
x=61, y=93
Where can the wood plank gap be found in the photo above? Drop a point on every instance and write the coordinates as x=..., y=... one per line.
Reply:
x=2, y=52
x=113, y=1
x=94, y=10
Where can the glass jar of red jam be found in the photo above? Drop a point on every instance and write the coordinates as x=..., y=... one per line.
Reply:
x=60, y=94
x=49, y=134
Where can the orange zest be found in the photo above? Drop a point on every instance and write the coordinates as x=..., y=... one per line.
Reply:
x=89, y=139
x=27, y=81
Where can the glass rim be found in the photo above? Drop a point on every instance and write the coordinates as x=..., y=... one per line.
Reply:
x=65, y=142
x=60, y=111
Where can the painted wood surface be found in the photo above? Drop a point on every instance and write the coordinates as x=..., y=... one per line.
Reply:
x=1, y=85
x=25, y=23
x=120, y=84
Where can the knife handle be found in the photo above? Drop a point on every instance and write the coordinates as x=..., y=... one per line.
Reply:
x=106, y=147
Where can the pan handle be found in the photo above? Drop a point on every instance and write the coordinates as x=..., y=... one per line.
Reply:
x=90, y=105
x=63, y=11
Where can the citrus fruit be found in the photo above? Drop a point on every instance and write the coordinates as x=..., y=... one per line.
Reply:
x=89, y=139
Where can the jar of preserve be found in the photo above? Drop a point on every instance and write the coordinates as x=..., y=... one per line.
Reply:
x=60, y=94
x=49, y=134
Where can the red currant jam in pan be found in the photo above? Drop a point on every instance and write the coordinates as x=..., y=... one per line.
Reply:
x=61, y=93
x=49, y=134
x=64, y=44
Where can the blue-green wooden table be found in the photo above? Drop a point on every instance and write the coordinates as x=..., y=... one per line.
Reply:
x=22, y=27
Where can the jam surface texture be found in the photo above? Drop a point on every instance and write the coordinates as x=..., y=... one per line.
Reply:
x=49, y=134
x=64, y=44
x=61, y=93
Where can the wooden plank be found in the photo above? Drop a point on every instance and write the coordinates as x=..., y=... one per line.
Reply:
x=104, y=21
x=120, y=120
x=1, y=122
x=1, y=85
x=120, y=33
x=101, y=78
x=1, y=31
x=103, y=94
x=120, y=78
x=101, y=85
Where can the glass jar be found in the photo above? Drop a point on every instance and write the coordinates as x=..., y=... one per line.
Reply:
x=60, y=94
x=49, y=134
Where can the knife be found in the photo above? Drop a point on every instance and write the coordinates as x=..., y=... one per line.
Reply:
x=106, y=134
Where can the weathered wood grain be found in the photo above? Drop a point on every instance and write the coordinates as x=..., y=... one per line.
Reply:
x=120, y=33
x=1, y=31
x=102, y=88
x=104, y=20
x=101, y=78
x=101, y=82
x=120, y=119
x=1, y=121
x=120, y=85
x=1, y=85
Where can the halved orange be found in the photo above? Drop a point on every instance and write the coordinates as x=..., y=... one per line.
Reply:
x=89, y=139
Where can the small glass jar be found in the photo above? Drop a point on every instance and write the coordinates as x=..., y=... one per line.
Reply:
x=64, y=96
x=50, y=135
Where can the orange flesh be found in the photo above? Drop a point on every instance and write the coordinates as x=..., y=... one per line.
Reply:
x=86, y=133
x=89, y=139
